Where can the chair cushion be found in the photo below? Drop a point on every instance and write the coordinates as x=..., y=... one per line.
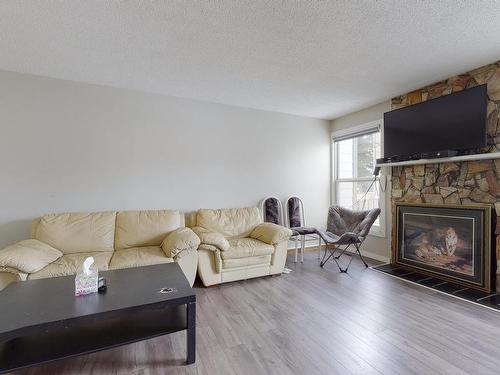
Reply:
x=70, y=264
x=294, y=212
x=145, y=228
x=246, y=247
x=246, y=262
x=303, y=230
x=78, y=232
x=138, y=256
x=328, y=237
x=230, y=222
x=272, y=211
x=28, y=256
x=332, y=238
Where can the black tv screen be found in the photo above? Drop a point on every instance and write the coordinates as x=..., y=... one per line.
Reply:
x=454, y=122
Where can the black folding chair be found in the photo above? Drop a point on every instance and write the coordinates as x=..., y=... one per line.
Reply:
x=346, y=228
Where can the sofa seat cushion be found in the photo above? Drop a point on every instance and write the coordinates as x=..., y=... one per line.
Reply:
x=246, y=262
x=246, y=247
x=138, y=256
x=70, y=264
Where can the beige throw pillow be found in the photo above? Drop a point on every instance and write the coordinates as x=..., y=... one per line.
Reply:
x=28, y=256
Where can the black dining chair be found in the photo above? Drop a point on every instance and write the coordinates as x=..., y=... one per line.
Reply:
x=295, y=220
x=272, y=210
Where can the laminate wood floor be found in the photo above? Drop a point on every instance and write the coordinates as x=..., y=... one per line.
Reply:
x=315, y=321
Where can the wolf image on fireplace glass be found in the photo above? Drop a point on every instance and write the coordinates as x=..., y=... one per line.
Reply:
x=440, y=241
x=448, y=241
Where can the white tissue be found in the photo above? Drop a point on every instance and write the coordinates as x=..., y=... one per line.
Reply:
x=87, y=263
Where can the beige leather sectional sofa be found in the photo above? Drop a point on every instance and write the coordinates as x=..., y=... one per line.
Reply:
x=223, y=245
x=236, y=245
x=60, y=243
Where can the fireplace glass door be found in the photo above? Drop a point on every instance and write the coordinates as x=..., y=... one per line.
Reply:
x=446, y=241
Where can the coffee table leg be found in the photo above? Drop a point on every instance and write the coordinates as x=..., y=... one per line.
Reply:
x=191, y=333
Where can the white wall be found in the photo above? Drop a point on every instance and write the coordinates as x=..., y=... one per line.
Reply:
x=67, y=146
x=376, y=247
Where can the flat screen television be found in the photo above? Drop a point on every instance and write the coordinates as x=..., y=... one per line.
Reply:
x=454, y=122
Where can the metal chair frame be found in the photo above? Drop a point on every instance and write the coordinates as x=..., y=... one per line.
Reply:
x=302, y=222
x=332, y=252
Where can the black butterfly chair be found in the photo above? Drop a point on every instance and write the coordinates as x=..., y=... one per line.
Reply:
x=346, y=228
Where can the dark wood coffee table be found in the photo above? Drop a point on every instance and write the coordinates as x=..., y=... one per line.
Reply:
x=42, y=321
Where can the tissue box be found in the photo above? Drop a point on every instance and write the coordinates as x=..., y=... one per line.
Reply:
x=86, y=284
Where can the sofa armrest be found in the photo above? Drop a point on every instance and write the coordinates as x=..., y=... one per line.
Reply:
x=211, y=238
x=28, y=256
x=270, y=233
x=188, y=261
x=179, y=240
x=8, y=276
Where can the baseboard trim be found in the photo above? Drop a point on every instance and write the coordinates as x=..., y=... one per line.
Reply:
x=375, y=256
x=368, y=254
x=308, y=249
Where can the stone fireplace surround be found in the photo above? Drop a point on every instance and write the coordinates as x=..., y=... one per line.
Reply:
x=461, y=183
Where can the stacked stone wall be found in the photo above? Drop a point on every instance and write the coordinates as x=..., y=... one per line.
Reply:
x=462, y=183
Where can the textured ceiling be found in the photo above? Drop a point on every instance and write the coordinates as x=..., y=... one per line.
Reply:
x=310, y=58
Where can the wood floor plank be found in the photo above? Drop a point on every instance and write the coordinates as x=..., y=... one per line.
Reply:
x=314, y=321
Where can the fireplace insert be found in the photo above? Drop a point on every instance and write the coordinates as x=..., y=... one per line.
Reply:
x=449, y=242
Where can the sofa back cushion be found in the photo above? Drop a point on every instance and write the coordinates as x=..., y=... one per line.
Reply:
x=230, y=222
x=77, y=232
x=145, y=228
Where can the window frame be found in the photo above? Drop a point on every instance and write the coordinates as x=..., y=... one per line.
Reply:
x=352, y=132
